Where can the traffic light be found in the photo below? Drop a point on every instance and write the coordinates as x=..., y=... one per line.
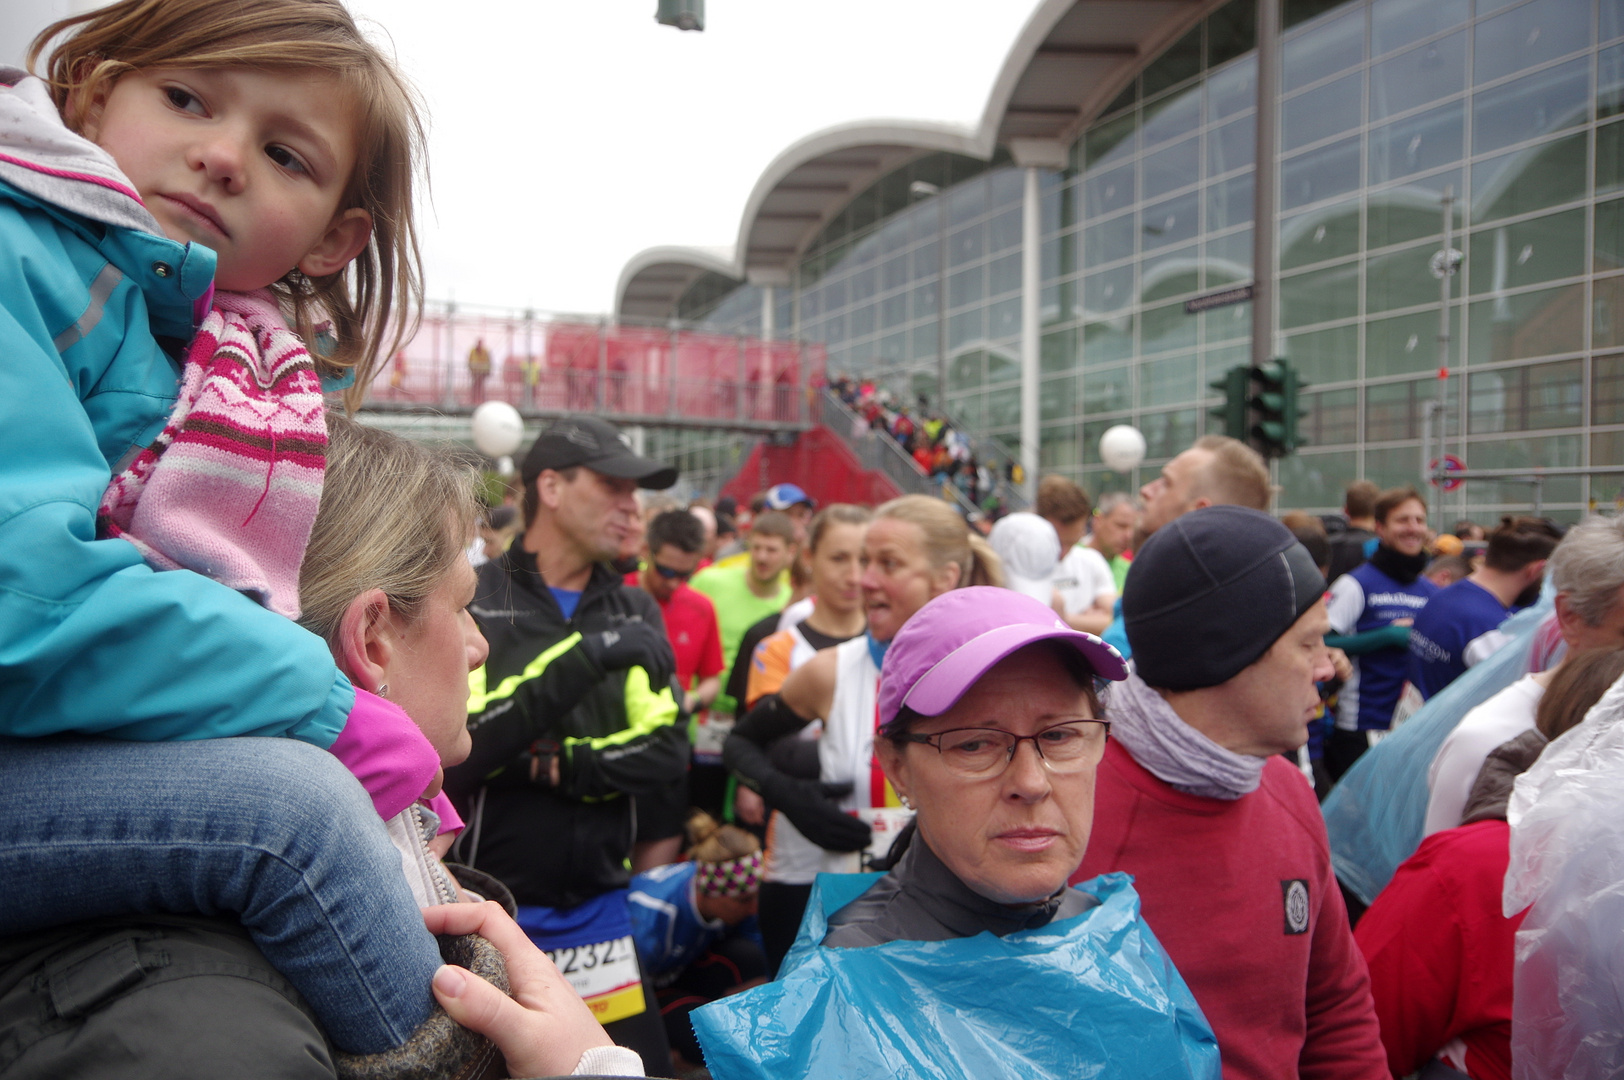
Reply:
x=1231, y=415
x=1272, y=405
x=683, y=14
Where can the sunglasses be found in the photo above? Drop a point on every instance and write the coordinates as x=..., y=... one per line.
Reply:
x=672, y=575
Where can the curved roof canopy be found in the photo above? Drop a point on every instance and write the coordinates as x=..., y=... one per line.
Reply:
x=1070, y=60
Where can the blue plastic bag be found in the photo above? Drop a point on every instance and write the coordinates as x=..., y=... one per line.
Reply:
x=1090, y=996
x=1375, y=814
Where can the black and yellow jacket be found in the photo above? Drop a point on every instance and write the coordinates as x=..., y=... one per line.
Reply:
x=618, y=737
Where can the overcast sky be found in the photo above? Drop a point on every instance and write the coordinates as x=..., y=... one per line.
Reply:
x=576, y=134
x=568, y=136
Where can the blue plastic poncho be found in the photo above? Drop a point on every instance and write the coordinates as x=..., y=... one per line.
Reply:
x=1375, y=814
x=1090, y=996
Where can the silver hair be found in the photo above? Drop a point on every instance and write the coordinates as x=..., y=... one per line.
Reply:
x=1588, y=565
x=1113, y=499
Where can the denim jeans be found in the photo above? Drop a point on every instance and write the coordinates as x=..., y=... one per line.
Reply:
x=273, y=831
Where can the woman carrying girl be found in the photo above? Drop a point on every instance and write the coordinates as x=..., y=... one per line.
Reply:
x=176, y=147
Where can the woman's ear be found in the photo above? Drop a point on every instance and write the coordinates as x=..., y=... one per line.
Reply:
x=894, y=763
x=945, y=578
x=366, y=642
x=344, y=239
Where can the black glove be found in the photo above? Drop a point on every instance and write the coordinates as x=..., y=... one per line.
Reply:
x=632, y=644
x=795, y=756
x=810, y=806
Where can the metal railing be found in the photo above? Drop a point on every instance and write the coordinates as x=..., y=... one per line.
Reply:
x=878, y=451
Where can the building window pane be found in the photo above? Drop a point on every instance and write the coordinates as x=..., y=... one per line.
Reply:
x=1108, y=241
x=1529, y=35
x=1530, y=179
x=1403, y=278
x=1315, y=481
x=1525, y=108
x=1426, y=73
x=1328, y=232
x=1607, y=393
x=1419, y=143
x=1320, y=174
x=1168, y=381
x=1106, y=390
x=1526, y=398
x=1230, y=202
x=1332, y=418
x=1526, y=325
x=1319, y=295
x=1171, y=222
x=1177, y=166
x=1393, y=410
x=1321, y=112
x=1167, y=327
x=1528, y=252
x=1396, y=23
x=1172, y=117
x=1330, y=355
x=1398, y=214
x=1406, y=344
x=1108, y=340
x=1234, y=89
x=1326, y=49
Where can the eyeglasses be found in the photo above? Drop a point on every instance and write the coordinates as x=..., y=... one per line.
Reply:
x=672, y=575
x=982, y=753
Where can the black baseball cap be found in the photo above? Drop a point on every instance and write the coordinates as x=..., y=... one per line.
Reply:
x=595, y=443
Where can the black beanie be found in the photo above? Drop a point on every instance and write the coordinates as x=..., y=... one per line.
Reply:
x=1210, y=592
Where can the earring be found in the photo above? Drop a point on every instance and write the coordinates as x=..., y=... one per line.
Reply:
x=907, y=803
x=383, y=689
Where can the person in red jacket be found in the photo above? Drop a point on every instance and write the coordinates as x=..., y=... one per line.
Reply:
x=1226, y=616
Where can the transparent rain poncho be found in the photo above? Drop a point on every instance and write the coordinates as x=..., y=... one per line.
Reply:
x=1567, y=860
x=1093, y=996
x=1375, y=814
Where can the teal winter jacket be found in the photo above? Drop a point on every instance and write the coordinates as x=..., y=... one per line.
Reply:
x=95, y=308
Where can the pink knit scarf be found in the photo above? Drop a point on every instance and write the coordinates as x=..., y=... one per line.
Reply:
x=229, y=488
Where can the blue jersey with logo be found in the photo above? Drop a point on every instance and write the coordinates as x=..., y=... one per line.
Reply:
x=1362, y=600
x=666, y=923
x=1451, y=634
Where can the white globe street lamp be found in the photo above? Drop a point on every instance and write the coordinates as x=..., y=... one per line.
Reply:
x=498, y=431
x=1122, y=447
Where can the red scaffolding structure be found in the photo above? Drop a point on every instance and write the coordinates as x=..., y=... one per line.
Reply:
x=554, y=367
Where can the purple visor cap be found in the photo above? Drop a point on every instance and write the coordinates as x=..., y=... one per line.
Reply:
x=957, y=637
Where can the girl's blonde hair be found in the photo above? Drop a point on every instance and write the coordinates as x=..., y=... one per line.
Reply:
x=714, y=843
x=374, y=302
x=394, y=515
x=947, y=539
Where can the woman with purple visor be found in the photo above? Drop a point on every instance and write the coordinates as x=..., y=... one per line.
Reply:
x=972, y=955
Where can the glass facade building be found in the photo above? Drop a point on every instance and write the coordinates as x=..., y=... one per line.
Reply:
x=1517, y=109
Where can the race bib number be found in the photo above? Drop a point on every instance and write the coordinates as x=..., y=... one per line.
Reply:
x=710, y=732
x=606, y=975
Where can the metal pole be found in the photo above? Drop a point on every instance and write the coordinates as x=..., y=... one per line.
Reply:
x=768, y=312
x=1264, y=186
x=739, y=401
x=1031, y=326
x=1444, y=281
x=671, y=373
x=603, y=361
x=941, y=303
x=1539, y=496
x=531, y=372
x=1428, y=474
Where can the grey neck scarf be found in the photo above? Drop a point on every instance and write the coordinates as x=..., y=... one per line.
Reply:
x=1172, y=750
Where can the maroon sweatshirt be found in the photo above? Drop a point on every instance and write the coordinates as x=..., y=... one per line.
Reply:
x=1242, y=895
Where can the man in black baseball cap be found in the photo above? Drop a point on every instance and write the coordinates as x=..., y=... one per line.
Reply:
x=576, y=707
x=595, y=443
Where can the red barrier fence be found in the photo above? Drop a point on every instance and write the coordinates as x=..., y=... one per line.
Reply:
x=456, y=362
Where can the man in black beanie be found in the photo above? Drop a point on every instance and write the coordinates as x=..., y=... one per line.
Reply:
x=1226, y=615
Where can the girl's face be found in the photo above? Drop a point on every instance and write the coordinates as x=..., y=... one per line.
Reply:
x=898, y=578
x=837, y=572
x=250, y=163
